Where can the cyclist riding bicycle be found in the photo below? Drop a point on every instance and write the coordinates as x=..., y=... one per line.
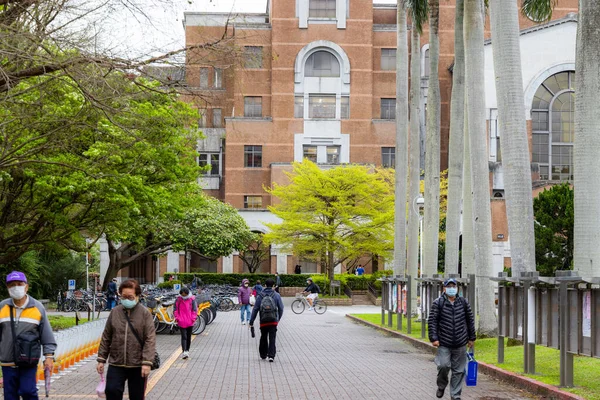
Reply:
x=313, y=291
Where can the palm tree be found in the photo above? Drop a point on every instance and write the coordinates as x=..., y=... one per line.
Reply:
x=401, y=141
x=455, y=154
x=482, y=221
x=514, y=141
x=587, y=142
x=432, y=148
x=468, y=249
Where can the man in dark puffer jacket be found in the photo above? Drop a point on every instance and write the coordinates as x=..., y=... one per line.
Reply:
x=451, y=328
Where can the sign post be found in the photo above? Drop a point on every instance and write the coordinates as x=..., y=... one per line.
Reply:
x=71, y=284
x=177, y=287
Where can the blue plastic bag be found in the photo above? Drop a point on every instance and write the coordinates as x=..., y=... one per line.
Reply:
x=471, y=375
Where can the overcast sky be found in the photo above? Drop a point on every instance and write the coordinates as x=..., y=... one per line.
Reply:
x=164, y=31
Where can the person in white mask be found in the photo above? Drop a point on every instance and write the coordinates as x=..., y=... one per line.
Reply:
x=451, y=328
x=24, y=326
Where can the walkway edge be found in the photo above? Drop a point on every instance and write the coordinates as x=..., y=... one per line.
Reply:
x=523, y=382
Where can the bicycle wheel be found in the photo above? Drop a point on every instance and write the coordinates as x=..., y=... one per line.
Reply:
x=320, y=306
x=161, y=327
x=298, y=306
x=70, y=305
x=156, y=322
x=199, y=325
x=226, y=305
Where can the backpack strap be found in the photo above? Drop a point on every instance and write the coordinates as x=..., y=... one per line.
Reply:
x=14, y=334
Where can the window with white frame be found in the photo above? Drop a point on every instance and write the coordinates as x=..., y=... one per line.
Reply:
x=253, y=106
x=310, y=153
x=252, y=201
x=333, y=154
x=321, y=106
x=299, y=107
x=345, y=107
x=253, y=57
x=321, y=8
x=388, y=59
x=388, y=108
x=426, y=66
x=204, y=78
x=218, y=78
x=388, y=157
x=253, y=156
x=217, y=118
x=209, y=159
x=552, y=118
x=322, y=64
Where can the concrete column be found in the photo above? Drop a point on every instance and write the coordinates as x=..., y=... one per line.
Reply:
x=228, y=264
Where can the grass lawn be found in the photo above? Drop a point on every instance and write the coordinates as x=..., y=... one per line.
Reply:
x=547, y=360
x=59, y=322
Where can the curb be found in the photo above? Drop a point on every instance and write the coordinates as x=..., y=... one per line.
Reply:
x=523, y=382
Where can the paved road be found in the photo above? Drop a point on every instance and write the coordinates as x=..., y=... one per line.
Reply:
x=319, y=357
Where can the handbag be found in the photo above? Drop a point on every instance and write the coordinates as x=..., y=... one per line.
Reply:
x=252, y=299
x=27, y=346
x=156, y=361
x=471, y=375
x=101, y=388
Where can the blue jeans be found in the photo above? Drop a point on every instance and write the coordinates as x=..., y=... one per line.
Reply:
x=111, y=303
x=20, y=382
x=245, y=307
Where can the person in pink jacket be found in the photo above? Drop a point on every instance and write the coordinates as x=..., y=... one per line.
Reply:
x=185, y=315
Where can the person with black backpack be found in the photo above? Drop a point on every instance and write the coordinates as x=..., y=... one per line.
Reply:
x=270, y=307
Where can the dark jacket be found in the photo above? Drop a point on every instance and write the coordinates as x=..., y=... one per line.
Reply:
x=112, y=290
x=267, y=292
x=244, y=294
x=312, y=288
x=119, y=345
x=277, y=281
x=452, y=324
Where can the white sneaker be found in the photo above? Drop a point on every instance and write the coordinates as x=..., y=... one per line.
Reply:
x=184, y=355
x=310, y=308
x=243, y=322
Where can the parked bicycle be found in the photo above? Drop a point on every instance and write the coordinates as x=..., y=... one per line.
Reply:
x=300, y=304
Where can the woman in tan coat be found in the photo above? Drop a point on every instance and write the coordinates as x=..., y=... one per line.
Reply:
x=127, y=358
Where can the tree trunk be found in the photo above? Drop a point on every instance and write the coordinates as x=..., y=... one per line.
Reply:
x=414, y=169
x=455, y=154
x=468, y=249
x=513, y=131
x=482, y=221
x=401, y=142
x=429, y=264
x=587, y=142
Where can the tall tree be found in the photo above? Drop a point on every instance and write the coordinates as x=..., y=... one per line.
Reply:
x=401, y=140
x=482, y=221
x=513, y=130
x=468, y=248
x=455, y=154
x=432, y=148
x=586, y=181
x=332, y=216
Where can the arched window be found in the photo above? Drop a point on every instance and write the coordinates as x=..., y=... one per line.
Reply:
x=322, y=64
x=552, y=117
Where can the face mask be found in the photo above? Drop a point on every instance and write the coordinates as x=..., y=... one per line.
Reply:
x=128, y=303
x=308, y=282
x=245, y=284
x=17, y=292
x=451, y=291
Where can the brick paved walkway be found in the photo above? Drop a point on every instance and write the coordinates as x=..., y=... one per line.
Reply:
x=319, y=357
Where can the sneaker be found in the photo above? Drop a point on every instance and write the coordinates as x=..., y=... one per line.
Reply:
x=185, y=355
x=243, y=322
x=440, y=393
x=271, y=359
x=310, y=308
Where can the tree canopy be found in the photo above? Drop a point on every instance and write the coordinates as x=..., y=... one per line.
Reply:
x=333, y=215
x=553, y=211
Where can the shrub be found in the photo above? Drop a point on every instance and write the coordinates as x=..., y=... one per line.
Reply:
x=168, y=284
x=236, y=279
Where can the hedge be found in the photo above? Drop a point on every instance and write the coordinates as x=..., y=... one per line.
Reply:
x=236, y=279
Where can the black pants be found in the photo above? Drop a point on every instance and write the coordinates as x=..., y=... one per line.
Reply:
x=267, y=348
x=186, y=338
x=115, y=383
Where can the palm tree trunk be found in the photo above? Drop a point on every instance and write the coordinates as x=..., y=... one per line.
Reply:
x=429, y=264
x=401, y=142
x=455, y=155
x=513, y=128
x=587, y=142
x=414, y=168
x=482, y=221
x=468, y=249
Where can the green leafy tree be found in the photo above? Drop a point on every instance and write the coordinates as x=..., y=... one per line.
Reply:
x=554, y=220
x=331, y=216
x=255, y=253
